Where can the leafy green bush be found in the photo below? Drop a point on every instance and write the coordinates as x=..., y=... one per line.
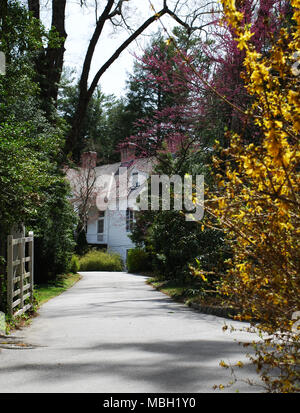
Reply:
x=54, y=238
x=100, y=261
x=138, y=260
x=34, y=191
x=82, y=245
x=74, y=264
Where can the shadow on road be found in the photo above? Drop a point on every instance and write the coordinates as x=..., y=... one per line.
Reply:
x=170, y=367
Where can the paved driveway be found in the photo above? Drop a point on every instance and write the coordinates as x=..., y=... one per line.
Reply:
x=113, y=333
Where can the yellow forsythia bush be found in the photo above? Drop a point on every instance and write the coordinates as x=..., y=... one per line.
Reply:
x=258, y=204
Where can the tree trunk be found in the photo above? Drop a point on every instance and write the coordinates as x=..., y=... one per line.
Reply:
x=72, y=143
x=55, y=56
x=49, y=62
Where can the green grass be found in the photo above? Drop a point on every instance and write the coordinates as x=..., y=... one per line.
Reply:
x=171, y=288
x=185, y=291
x=45, y=292
x=176, y=289
x=191, y=293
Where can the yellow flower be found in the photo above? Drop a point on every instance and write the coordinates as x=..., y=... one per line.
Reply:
x=243, y=39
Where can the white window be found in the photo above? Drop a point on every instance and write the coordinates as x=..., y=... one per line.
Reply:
x=100, y=226
x=129, y=219
x=135, y=179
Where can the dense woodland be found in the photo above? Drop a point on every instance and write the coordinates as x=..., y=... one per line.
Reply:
x=223, y=89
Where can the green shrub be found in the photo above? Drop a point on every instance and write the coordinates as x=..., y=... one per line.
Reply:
x=82, y=245
x=100, y=261
x=53, y=233
x=74, y=264
x=138, y=260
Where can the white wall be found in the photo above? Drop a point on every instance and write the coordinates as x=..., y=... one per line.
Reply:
x=115, y=235
x=118, y=240
x=92, y=228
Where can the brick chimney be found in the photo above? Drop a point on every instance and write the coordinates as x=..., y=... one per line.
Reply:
x=89, y=159
x=128, y=152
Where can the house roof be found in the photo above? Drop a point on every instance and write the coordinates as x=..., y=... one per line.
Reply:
x=102, y=178
x=144, y=165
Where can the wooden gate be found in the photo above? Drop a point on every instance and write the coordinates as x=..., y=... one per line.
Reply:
x=19, y=274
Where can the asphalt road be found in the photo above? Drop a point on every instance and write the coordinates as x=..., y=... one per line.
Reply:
x=113, y=333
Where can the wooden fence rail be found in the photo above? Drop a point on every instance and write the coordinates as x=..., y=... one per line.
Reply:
x=19, y=274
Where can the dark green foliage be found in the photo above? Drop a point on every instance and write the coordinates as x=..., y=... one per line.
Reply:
x=177, y=243
x=173, y=243
x=106, y=122
x=67, y=101
x=24, y=172
x=115, y=127
x=54, y=238
x=33, y=190
x=82, y=245
x=138, y=260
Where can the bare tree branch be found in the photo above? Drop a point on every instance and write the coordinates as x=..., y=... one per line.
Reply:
x=85, y=91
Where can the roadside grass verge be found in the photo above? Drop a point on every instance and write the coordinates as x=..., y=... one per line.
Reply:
x=173, y=288
x=194, y=295
x=42, y=294
x=45, y=292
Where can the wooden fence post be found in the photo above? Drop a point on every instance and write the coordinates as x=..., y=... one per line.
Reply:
x=18, y=289
x=10, y=250
x=31, y=264
x=21, y=269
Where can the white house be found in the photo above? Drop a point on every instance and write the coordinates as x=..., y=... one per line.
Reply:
x=109, y=194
